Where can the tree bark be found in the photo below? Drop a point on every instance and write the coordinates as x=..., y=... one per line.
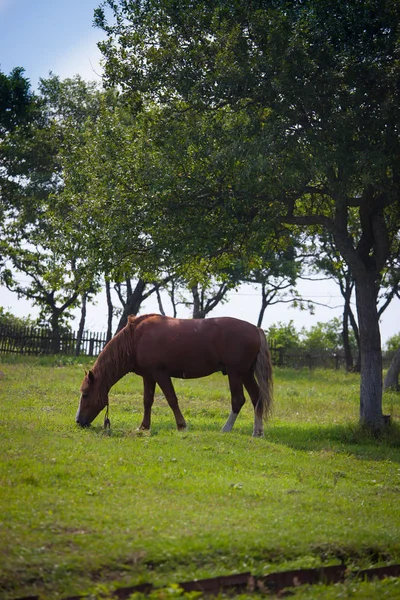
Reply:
x=392, y=376
x=159, y=300
x=264, y=304
x=371, y=354
x=346, y=340
x=81, y=325
x=357, y=366
x=198, y=312
x=133, y=301
x=55, y=330
x=110, y=309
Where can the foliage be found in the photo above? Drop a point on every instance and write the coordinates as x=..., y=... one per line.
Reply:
x=7, y=318
x=133, y=180
x=393, y=343
x=311, y=89
x=323, y=336
x=17, y=103
x=37, y=246
x=284, y=335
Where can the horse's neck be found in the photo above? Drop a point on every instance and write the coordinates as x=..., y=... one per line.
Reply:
x=112, y=364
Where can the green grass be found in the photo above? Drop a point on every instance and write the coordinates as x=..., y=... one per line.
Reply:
x=83, y=508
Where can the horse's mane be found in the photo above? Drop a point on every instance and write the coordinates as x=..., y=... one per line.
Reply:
x=134, y=321
x=115, y=360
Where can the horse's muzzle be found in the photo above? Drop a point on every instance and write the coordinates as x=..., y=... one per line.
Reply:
x=81, y=422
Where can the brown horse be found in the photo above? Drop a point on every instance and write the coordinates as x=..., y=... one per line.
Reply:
x=158, y=348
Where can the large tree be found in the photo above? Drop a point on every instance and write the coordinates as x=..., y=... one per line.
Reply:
x=318, y=81
x=43, y=259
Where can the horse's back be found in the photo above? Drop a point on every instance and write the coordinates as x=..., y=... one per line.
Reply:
x=195, y=347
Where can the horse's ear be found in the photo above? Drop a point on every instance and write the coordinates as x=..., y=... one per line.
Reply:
x=91, y=376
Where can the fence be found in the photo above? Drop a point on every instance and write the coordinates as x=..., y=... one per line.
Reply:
x=31, y=340
x=319, y=358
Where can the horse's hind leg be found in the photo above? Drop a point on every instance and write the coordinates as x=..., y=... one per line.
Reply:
x=237, y=399
x=148, y=399
x=165, y=383
x=253, y=390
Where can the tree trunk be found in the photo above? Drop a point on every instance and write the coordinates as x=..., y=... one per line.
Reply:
x=264, y=305
x=198, y=310
x=392, y=376
x=132, y=304
x=110, y=311
x=371, y=354
x=357, y=367
x=346, y=340
x=55, y=330
x=159, y=300
x=81, y=325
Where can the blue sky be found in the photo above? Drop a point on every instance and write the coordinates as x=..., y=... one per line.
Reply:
x=49, y=35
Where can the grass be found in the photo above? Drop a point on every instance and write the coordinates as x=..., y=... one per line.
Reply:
x=87, y=509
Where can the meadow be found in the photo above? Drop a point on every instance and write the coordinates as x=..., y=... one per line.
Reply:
x=88, y=510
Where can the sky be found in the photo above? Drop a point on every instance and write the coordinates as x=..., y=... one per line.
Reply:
x=58, y=36
x=49, y=35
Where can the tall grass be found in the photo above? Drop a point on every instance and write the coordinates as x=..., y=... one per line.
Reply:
x=80, y=507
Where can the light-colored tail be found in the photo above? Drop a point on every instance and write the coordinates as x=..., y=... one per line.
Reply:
x=263, y=373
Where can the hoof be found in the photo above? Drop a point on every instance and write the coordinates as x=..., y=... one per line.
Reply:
x=259, y=433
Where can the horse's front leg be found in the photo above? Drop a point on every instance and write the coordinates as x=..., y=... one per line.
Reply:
x=149, y=386
x=165, y=383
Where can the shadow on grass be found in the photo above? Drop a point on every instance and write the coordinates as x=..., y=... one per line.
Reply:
x=348, y=438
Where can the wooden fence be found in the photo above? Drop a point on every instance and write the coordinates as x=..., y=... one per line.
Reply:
x=35, y=341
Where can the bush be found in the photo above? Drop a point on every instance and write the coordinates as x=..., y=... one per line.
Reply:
x=284, y=335
x=7, y=318
x=393, y=343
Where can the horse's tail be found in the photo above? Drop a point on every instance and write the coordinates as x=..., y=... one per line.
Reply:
x=263, y=373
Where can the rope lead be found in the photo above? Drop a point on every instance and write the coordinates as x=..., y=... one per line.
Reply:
x=107, y=424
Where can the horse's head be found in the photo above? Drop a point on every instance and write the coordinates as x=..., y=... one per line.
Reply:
x=94, y=397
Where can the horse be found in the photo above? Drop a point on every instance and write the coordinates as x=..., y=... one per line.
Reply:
x=159, y=348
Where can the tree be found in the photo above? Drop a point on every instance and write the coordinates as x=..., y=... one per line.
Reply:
x=318, y=82
x=329, y=261
x=206, y=298
x=284, y=335
x=393, y=343
x=132, y=298
x=323, y=336
x=38, y=240
x=276, y=271
x=392, y=376
x=20, y=111
x=7, y=318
